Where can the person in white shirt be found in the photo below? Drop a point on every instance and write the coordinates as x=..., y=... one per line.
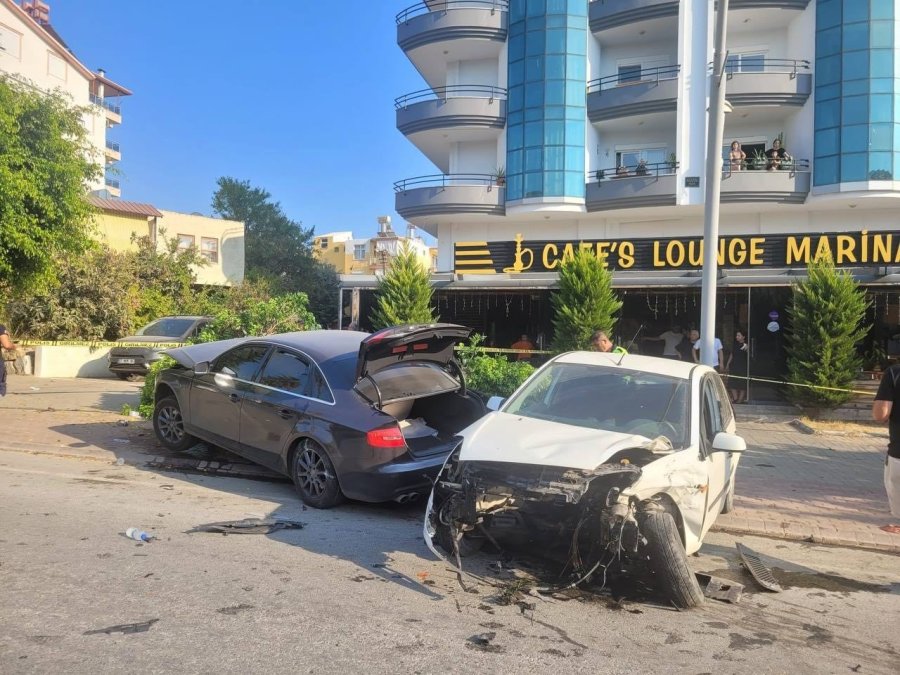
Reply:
x=671, y=338
x=719, y=359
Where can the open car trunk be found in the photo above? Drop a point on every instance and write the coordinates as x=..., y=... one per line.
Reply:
x=430, y=424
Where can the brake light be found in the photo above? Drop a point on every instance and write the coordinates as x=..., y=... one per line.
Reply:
x=389, y=437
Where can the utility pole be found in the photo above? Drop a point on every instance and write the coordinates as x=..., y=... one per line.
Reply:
x=716, y=130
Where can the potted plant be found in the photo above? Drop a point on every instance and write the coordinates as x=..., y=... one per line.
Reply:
x=672, y=162
x=500, y=176
x=599, y=174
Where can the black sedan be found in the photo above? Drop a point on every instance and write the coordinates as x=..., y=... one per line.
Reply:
x=344, y=414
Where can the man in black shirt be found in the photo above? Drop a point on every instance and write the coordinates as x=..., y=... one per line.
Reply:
x=884, y=410
x=6, y=343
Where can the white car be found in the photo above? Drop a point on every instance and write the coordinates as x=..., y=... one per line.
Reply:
x=623, y=460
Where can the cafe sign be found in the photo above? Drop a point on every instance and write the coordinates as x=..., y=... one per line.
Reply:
x=683, y=253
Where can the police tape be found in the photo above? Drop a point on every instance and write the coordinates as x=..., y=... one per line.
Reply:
x=500, y=350
x=784, y=383
x=96, y=344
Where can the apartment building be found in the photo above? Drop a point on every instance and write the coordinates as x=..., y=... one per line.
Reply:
x=559, y=124
x=371, y=256
x=33, y=52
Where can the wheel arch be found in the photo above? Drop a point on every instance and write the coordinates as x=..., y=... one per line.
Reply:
x=664, y=502
x=294, y=447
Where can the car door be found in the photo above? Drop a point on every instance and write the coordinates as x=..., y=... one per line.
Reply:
x=274, y=405
x=216, y=396
x=714, y=412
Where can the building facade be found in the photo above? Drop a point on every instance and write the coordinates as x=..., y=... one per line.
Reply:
x=34, y=53
x=372, y=256
x=560, y=124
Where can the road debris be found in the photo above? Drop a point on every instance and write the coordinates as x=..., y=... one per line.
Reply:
x=720, y=589
x=248, y=526
x=760, y=572
x=484, y=642
x=124, y=628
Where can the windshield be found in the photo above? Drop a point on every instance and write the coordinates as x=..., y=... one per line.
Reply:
x=167, y=327
x=607, y=398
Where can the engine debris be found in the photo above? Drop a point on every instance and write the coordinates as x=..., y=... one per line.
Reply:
x=760, y=572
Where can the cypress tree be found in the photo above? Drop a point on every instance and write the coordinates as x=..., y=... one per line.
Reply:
x=827, y=313
x=404, y=293
x=585, y=302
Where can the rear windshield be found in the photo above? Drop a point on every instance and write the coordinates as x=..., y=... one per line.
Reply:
x=167, y=327
x=407, y=381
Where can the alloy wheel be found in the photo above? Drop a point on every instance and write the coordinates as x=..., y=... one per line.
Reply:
x=312, y=474
x=170, y=424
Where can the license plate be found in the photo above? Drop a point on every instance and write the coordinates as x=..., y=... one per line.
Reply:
x=125, y=361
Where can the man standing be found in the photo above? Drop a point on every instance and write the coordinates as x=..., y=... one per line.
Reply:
x=525, y=344
x=6, y=343
x=600, y=342
x=718, y=360
x=883, y=410
x=671, y=339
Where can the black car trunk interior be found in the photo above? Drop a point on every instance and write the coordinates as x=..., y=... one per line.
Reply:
x=429, y=424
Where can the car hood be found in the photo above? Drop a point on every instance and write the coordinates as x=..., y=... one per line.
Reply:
x=207, y=351
x=501, y=437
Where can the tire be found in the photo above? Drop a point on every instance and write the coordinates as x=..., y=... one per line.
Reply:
x=728, y=504
x=669, y=562
x=124, y=376
x=314, y=476
x=469, y=545
x=168, y=424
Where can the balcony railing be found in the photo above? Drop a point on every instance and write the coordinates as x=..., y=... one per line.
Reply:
x=639, y=170
x=444, y=5
x=628, y=187
x=105, y=103
x=765, y=164
x=446, y=180
x=110, y=145
x=453, y=91
x=112, y=182
x=450, y=194
x=761, y=179
x=646, y=76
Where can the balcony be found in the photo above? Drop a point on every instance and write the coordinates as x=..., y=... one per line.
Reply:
x=632, y=187
x=112, y=152
x=798, y=5
x=654, y=90
x=609, y=14
x=437, y=32
x=449, y=194
x=112, y=109
x=754, y=182
x=768, y=82
x=112, y=187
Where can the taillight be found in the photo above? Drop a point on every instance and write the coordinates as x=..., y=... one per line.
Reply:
x=389, y=437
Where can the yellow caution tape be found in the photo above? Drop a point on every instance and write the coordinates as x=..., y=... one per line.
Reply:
x=95, y=344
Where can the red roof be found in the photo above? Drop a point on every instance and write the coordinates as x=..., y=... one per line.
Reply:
x=121, y=206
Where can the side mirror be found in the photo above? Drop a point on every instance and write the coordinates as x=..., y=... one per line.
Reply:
x=494, y=403
x=725, y=442
x=201, y=368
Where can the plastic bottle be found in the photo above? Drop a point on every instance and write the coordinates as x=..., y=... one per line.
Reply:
x=139, y=535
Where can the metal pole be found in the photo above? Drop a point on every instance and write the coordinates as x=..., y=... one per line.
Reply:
x=340, y=317
x=716, y=130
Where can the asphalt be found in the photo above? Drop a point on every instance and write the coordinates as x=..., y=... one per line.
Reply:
x=824, y=488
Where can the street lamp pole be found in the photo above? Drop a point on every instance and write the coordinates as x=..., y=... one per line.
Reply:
x=716, y=130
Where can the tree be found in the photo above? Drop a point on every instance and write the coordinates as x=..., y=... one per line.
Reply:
x=827, y=313
x=163, y=278
x=276, y=247
x=585, y=302
x=46, y=164
x=404, y=293
x=281, y=314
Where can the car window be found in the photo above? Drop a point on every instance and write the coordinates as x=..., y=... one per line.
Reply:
x=242, y=362
x=712, y=411
x=725, y=409
x=167, y=327
x=286, y=371
x=318, y=387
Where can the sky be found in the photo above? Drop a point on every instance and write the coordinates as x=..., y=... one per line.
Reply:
x=296, y=96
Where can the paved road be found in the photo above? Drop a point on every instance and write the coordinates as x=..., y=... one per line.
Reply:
x=356, y=590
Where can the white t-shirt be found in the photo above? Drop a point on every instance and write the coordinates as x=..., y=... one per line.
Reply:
x=672, y=340
x=717, y=347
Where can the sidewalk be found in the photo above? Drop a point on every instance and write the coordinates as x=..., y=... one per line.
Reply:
x=823, y=488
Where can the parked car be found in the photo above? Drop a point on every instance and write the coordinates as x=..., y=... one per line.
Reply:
x=343, y=413
x=622, y=461
x=135, y=359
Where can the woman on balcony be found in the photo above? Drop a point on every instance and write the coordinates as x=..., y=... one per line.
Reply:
x=737, y=156
x=776, y=156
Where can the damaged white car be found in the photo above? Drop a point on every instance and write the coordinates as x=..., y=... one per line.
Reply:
x=622, y=461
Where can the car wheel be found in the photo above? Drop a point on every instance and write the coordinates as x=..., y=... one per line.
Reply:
x=169, y=425
x=728, y=504
x=314, y=476
x=469, y=544
x=669, y=562
x=124, y=376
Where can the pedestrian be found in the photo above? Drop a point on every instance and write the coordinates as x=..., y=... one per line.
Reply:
x=600, y=342
x=686, y=346
x=718, y=359
x=671, y=339
x=6, y=343
x=738, y=367
x=524, y=343
x=885, y=410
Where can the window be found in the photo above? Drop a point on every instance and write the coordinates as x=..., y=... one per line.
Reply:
x=185, y=242
x=286, y=371
x=318, y=387
x=751, y=62
x=241, y=363
x=324, y=243
x=629, y=74
x=10, y=42
x=56, y=66
x=209, y=249
x=359, y=251
x=653, y=158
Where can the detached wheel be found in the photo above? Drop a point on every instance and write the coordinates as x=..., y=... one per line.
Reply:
x=169, y=425
x=669, y=562
x=728, y=504
x=469, y=544
x=314, y=476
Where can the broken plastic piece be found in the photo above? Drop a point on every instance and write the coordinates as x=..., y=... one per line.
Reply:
x=760, y=572
x=717, y=588
x=249, y=526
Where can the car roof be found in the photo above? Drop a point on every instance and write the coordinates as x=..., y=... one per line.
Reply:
x=321, y=345
x=648, y=364
x=193, y=317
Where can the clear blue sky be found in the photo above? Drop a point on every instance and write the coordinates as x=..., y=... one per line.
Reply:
x=294, y=95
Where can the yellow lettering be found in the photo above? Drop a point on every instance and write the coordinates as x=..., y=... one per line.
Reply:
x=548, y=263
x=695, y=253
x=720, y=255
x=865, y=246
x=603, y=250
x=881, y=247
x=737, y=252
x=657, y=262
x=797, y=251
x=823, y=250
x=675, y=253
x=585, y=246
x=626, y=254
x=568, y=253
x=846, y=249
x=756, y=250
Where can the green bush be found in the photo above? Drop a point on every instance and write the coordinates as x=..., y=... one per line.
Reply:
x=281, y=314
x=146, y=406
x=491, y=375
x=584, y=302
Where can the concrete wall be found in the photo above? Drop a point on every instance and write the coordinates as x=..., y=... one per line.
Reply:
x=229, y=269
x=116, y=230
x=71, y=362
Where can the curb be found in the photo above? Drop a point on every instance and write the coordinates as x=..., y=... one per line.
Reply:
x=875, y=541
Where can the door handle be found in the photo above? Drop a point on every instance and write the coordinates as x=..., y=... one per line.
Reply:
x=234, y=398
x=285, y=413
